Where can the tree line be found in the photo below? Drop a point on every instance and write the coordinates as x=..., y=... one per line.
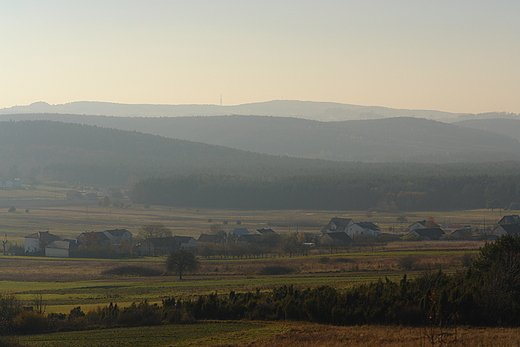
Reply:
x=360, y=190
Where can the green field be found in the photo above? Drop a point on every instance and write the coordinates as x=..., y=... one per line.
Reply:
x=200, y=334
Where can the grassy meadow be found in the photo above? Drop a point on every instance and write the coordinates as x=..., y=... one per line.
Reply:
x=67, y=283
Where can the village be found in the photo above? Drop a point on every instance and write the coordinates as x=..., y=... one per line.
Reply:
x=339, y=234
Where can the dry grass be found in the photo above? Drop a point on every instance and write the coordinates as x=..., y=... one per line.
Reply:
x=64, y=270
x=313, y=335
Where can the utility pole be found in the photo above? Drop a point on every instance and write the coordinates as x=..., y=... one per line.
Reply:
x=4, y=243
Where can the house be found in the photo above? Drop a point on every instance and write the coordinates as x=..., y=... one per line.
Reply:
x=336, y=238
x=115, y=238
x=423, y=224
x=363, y=228
x=265, y=231
x=427, y=233
x=93, y=238
x=213, y=239
x=91, y=196
x=462, y=234
x=165, y=245
x=118, y=237
x=507, y=229
x=36, y=242
x=337, y=224
x=60, y=248
x=74, y=195
x=249, y=239
x=239, y=231
x=511, y=219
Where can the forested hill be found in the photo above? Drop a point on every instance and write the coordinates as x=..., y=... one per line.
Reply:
x=385, y=140
x=48, y=150
x=506, y=126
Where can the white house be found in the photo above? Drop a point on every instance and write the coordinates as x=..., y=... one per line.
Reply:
x=37, y=241
x=337, y=224
x=59, y=248
x=118, y=237
x=363, y=228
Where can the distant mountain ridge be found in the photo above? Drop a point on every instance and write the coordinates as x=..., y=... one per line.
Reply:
x=322, y=111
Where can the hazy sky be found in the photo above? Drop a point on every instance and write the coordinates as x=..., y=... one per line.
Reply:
x=459, y=56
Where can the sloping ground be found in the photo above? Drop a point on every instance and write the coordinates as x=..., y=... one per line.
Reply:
x=504, y=126
x=313, y=335
x=383, y=140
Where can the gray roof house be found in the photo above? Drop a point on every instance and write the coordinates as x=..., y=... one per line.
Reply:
x=422, y=225
x=507, y=229
x=337, y=224
x=165, y=245
x=511, y=219
x=428, y=233
x=337, y=238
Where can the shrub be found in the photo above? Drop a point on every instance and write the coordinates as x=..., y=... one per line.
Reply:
x=29, y=322
x=142, y=314
x=466, y=259
x=407, y=263
x=76, y=313
x=276, y=270
x=411, y=238
x=343, y=260
x=16, y=249
x=11, y=209
x=324, y=260
x=132, y=270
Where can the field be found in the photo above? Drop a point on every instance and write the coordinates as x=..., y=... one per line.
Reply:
x=43, y=208
x=280, y=334
x=67, y=283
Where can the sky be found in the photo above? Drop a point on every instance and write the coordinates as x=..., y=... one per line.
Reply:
x=455, y=56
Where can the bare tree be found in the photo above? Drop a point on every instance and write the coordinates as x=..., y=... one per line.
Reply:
x=154, y=230
x=182, y=261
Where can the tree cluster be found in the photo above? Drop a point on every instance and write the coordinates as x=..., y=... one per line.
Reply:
x=361, y=191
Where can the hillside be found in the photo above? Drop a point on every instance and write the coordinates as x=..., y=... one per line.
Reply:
x=505, y=126
x=401, y=139
x=88, y=154
x=323, y=111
